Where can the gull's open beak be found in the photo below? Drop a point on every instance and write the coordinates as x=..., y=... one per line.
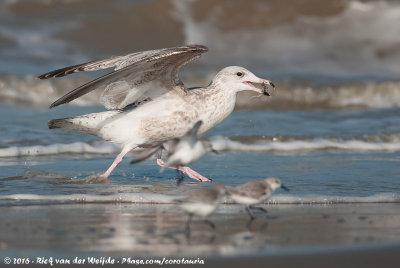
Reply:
x=285, y=188
x=261, y=87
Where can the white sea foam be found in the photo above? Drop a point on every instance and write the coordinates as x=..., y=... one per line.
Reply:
x=224, y=144
x=219, y=143
x=54, y=149
x=146, y=198
x=326, y=199
x=370, y=95
x=29, y=89
x=87, y=198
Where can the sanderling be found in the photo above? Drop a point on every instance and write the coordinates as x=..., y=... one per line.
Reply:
x=202, y=202
x=180, y=151
x=255, y=192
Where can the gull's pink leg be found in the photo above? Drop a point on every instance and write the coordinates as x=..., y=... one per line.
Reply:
x=186, y=170
x=118, y=159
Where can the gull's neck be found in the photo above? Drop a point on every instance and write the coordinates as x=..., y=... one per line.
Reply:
x=214, y=103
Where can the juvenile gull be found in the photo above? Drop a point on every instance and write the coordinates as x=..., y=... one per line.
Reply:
x=149, y=104
x=180, y=151
x=203, y=202
x=255, y=192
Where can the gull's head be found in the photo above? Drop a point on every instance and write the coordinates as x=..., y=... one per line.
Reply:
x=275, y=183
x=240, y=79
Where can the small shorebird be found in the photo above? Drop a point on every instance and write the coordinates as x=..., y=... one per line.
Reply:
x=180, y=151
x=202, y=202
x=149, y=104
x=255, y=192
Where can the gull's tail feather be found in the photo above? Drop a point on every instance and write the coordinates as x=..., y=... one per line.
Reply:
x=70, y=124
x=89, y=124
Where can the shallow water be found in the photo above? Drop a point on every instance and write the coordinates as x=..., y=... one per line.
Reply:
x=148, y=230
x=323, y=156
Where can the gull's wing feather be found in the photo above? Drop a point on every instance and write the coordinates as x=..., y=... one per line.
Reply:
x=88, y=66
x=137, y=77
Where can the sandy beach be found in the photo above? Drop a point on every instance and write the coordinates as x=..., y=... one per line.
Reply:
x=287, y=233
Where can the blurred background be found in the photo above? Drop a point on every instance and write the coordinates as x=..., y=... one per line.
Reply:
x=316, y=43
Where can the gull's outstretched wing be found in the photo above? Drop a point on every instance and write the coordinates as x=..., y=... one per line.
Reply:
x=137, y=77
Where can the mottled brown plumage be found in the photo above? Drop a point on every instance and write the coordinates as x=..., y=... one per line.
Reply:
x=252, y=189
x=150, y=65
x=255, y=192
x=148, y=102
x=207, y=195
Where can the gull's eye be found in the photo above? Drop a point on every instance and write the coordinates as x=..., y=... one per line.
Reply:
x=239, y=74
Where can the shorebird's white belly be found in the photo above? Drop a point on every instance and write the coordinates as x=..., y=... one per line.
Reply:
x=186, y=154
x=200, y=209
x=248, y=200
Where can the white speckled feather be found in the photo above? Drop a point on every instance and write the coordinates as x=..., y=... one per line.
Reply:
x=153, y=104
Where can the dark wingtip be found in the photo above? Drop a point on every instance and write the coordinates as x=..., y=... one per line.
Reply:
x=50, y=124
x=54, y=104
x=55, y=123
x=61, y=72
x=51, y=74
x=198, y=47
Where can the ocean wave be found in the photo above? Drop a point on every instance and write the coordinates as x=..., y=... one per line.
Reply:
x=288, y=96
x=303, y=146
x=326, y=199
x=55, y=149
x=88, y=198
x=340, y=37
x=153, y=198
x=280, y=144
x=31, y=90
x=292, y=96
x=331, y=37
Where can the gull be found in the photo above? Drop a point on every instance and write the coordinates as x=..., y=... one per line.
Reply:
x=180, y=151
x=147, y=102
x=202, y=202
x=255, y=192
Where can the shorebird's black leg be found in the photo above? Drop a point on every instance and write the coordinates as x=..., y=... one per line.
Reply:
x=159, y=154
x=179, y=177
x=187, y=228
x=248, y=212
x=210, y=223
x=264, y=226
x=259, y=208
x=248, y=225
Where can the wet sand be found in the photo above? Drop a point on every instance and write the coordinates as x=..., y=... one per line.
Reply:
x=387, y=256
x=285, y=234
